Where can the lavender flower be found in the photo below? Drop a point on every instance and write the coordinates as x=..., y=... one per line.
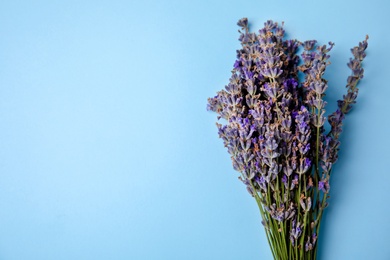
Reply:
x=272, y=125
x=295, y=232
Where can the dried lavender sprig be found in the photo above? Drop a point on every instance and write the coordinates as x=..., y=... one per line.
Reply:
x=315, y=63
x=315, y=86
x=345, y=105
x=331, y=141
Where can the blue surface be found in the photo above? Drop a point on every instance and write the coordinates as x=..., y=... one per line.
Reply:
x=107, y=151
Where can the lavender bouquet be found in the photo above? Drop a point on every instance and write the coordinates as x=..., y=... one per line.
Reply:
x=273, y=127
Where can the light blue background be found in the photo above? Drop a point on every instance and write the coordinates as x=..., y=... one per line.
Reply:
x=107, y=151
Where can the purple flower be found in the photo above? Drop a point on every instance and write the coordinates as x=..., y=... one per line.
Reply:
x=269, y=25
x=248, y=74
x=323, y=185
x=243, y=22
x=294, y=114
x=290, y=85
x=237, y=64
x=295, y=232
x=307, y=148
x=309, y=45
x=307, y=163
x=262, y=182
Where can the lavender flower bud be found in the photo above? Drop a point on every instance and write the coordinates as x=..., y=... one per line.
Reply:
x=324, y=186
x=309, y=45
x=243, y=22
x=295, y=232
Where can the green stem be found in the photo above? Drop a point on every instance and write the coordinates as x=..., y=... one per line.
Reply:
x=319, y=220
x=318, y=141
x=258, y=200
x=284, y=240
x=304, y=222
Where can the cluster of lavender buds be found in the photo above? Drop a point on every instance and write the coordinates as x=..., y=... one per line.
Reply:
x=272, y=125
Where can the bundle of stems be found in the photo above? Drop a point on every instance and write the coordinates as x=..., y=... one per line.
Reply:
x=272, y=125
